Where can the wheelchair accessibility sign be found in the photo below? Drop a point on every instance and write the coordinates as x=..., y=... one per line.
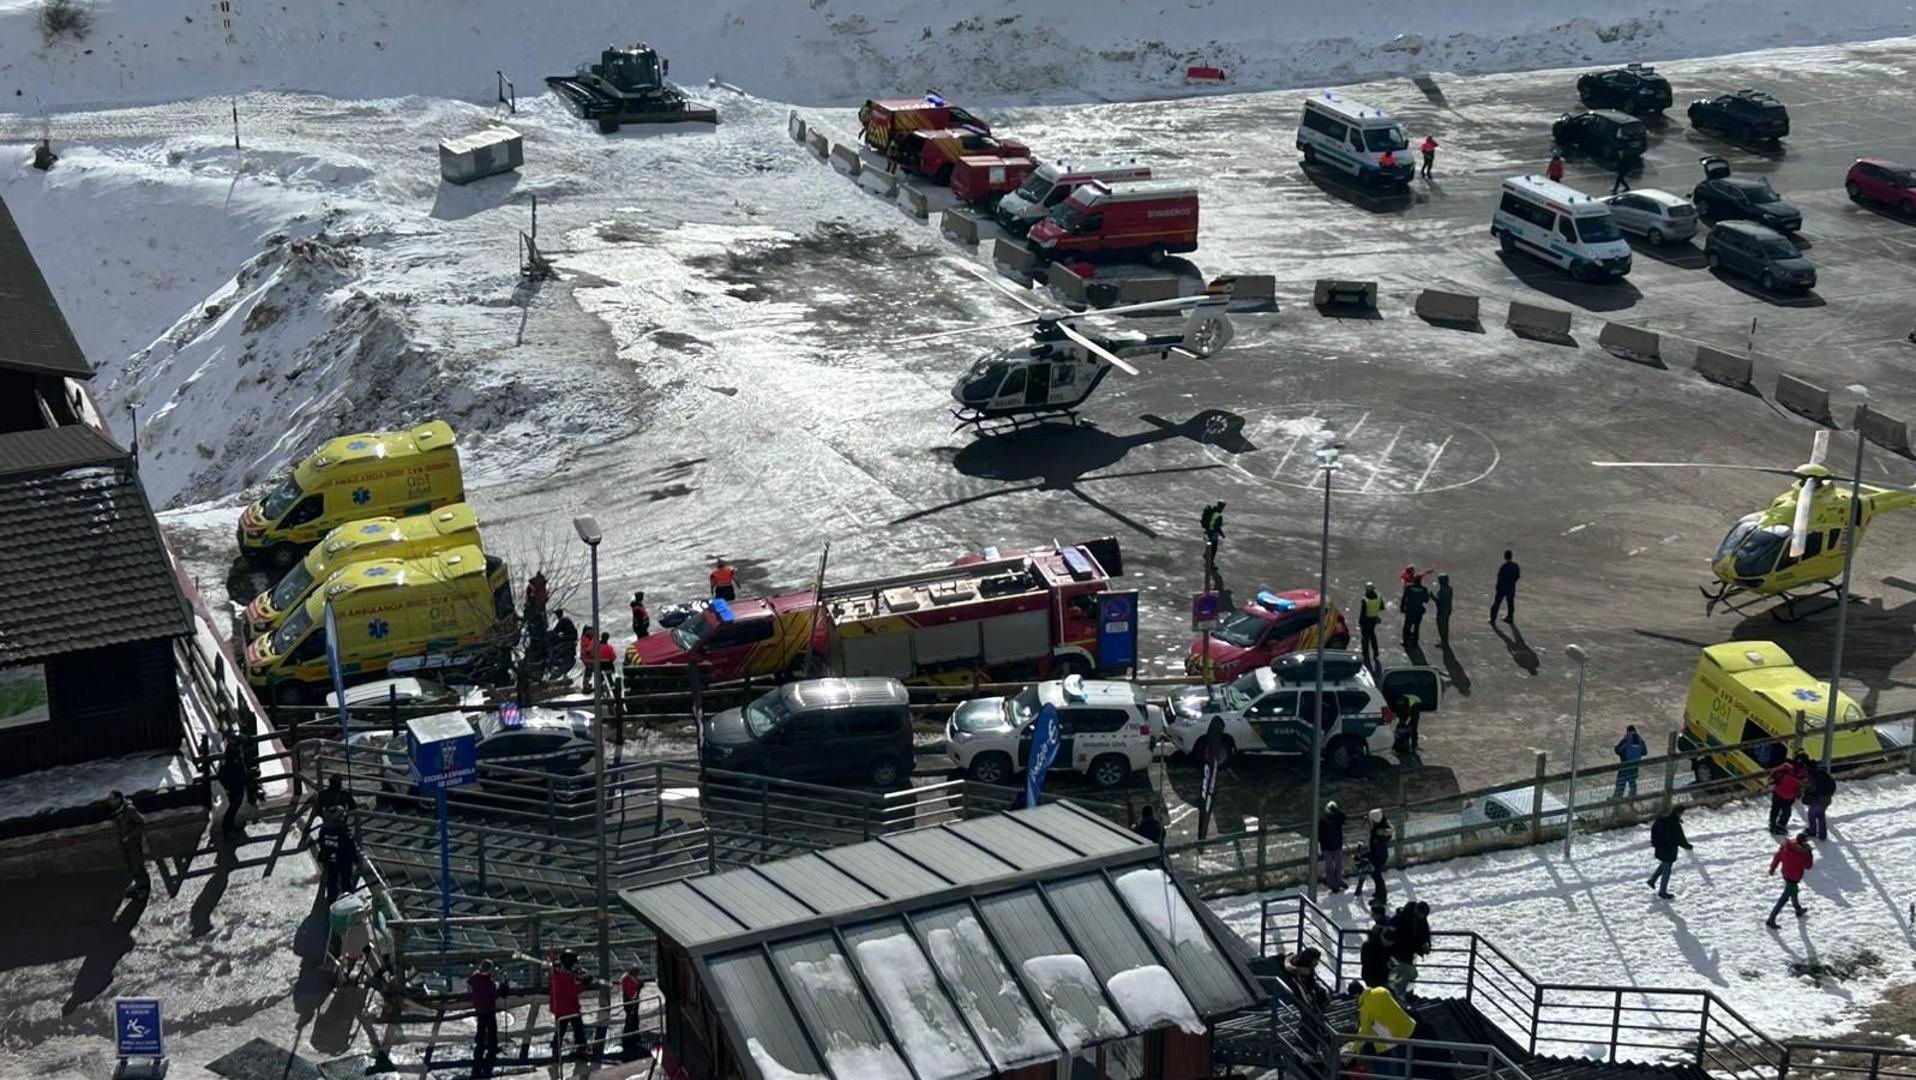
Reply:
x=136, y=1027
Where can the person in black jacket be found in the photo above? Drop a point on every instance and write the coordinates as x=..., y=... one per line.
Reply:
x=235, y=782
x=1506, y=598
x=338, y=858
x=1374, y=957
x=1149, y=826
x=1300, y=977
x=1415, y=599
x=1666, y=839
x=1816, y=801
x=1379, y=854
x=1330, y=846
x=1403, y=950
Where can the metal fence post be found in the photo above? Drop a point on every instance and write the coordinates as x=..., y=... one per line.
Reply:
x=1796, y=741
x=1470, y=973
x=1263, y=835
x=482, y=862
x=711, y=852
x=1536, y=807
x=1616, y=1022
x=1669, y=775
x=658, y=795
x=1703, y=1037
x=1536, y=996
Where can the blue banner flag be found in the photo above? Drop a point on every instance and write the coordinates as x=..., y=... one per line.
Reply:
x=1044, y=750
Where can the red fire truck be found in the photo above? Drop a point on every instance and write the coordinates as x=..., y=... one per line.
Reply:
x=996, y=615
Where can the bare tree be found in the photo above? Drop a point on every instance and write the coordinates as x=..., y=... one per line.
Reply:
x=65, y=19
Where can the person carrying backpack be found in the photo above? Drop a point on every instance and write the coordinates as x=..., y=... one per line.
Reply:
x=1817, y=794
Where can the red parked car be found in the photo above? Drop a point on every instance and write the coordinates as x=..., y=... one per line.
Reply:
x=1268, y=627
x=1883, y=182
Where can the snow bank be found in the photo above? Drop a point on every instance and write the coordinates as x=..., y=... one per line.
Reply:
x=1594, y=920
x=1151, y=897
x=1078, y=1012
x=840, y=51
x=769, y=1065
x=1151, y=998
x=88, y=782
x=966, y=957
x=928, y=1027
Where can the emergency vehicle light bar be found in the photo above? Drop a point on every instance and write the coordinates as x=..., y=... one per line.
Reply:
x=1274, y=602
x=722, y=609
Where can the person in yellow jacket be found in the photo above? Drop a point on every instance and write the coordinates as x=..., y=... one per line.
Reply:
x=1379, y=1014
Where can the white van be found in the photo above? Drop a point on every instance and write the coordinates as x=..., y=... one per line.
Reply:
x=1053, y=183
x=1356, y=138
x=1562, y=226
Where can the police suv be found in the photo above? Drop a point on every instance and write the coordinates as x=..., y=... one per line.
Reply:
x=1267, y=709
x=1104, y=727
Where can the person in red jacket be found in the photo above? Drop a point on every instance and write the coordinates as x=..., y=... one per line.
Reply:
x=1786, y=783
x=1429, y=149
x=1795, y=858
x=562, y=997
x=630, y=986
x=1555, y=169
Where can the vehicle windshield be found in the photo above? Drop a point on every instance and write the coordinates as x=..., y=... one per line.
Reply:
x=1903, y=177
x=291, y=587
x=1242, y=629
x=1756, y=555
x=274, y=506
x=765, y=713
x=1034, y=189
x=1239, y=694
x=1762, y=193
x=691, y=632
x=1779, y=248
x=1020, y=710
x=1597, y=230
x=1069, y=216
x=981, y=383
x=291, y=632
x=1736, y=534
x=1378, y=140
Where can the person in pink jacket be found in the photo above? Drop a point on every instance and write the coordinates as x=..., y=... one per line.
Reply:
x=1786, y=783
x=1794, y=858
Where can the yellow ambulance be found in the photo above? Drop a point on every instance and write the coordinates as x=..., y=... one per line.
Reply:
x=352, y=477
x=449, y=612
x=1749, y=690
x=455, y=525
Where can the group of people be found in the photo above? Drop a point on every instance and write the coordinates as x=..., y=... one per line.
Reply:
x=548, y=639
x=1388, y=965
x=1418, y=598
x=565, y=987
x=1370, y=860
x=1618, y=183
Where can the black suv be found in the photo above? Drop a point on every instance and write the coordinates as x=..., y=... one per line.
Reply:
x=1722, y=197
x=1747, y=116
x=1633, y=88
x=1610, y=136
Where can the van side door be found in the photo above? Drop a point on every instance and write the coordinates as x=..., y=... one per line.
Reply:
x=806, y=751
x=873, y=732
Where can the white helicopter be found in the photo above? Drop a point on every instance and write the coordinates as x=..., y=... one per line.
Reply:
x=1052, y=376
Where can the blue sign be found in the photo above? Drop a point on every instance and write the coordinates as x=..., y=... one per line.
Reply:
x=136, y=1028
x=1117, y=629
x=1204, y=611
x=444, y=752
x=1044, y=750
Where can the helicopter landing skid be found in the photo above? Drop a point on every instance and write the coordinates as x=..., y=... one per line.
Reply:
x=998, y=425
x=1783, y=611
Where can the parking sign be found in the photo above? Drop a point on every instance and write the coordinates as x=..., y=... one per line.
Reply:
x=1204, y=609
x=136, y=1028
x=1117, y=629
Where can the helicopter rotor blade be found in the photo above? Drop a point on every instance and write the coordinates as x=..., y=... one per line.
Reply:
x=1835, y=479
x=1805, y=502
x=1820, y=449
x=973, y=329
x=1096, y=349
x=1692, y=465
x=1020, y=296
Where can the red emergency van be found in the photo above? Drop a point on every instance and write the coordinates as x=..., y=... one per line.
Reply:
x=1148, y=219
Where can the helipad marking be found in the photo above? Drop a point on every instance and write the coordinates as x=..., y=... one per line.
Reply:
x=1433, y=463
x=1378, y=466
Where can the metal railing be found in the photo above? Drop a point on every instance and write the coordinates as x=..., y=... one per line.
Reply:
x=1815, y=1060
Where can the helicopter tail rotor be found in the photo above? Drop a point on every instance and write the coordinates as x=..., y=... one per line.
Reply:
x=1206, y=330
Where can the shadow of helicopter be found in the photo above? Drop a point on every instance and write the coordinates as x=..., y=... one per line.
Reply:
x=1059, y=457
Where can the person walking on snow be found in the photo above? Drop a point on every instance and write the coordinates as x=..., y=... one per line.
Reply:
x=1429, y=149
x=1370, y=613
x=1374, y=957
x=234, y=782
x=1506, y=598
x=338, y=858
x=562, y=999
x=1817, y=793
x=129, y=830
x=1630, y=750
x=1211, y=520
x=1379, y=853
x=1795, y=858
x=1330, y=846
x=485, y=1014
x=1786, y=783
x=1666, y=839
x=724, y=580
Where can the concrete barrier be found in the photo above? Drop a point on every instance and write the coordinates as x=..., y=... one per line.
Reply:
x=845, y=159
x=1885, y=431
x=1804, y=398
x=878, y=182
x=1438, y=306
x=1014, y=255
x=1249, y=292
x=1069, y=285
x=795, y=126
x=1144, y=290
x=1632, y=343
x=915, y=201
x=1726, y=369
x=959, y=225
x=1331, y=292
x=1535, y=320
x=818, y=144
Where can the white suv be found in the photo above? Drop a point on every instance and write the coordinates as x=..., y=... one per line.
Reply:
x=1105, y=731
x=1263, y=709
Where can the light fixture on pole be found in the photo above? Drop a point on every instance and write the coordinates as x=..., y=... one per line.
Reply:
x=1326, y=450
x=1861, y=394
x=1574, y=652
x=588, y=529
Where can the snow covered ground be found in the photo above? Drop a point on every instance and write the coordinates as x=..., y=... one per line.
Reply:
x=839, y=51
x=1592, y=919
x=79, y=785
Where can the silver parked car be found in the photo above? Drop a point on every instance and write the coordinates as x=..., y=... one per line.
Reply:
x=1657, y=216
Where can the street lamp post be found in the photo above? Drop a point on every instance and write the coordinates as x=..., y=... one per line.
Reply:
x=1326, y=451
x=1849, y=555
x=588, y=530
x=1574, y=652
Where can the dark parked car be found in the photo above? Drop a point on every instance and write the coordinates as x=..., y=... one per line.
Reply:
x=1747, y=116
x=1610, y=136
x=1884, y=182
x=1743, y=247
x=820, y=731
x=1722, y=197
x=1633, y=88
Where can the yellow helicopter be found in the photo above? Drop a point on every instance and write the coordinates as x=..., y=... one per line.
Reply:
x=1797, y=541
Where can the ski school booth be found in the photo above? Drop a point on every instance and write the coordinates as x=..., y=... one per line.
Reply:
x=1033, y=944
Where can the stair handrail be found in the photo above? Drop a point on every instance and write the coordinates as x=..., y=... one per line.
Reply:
x=1873, y=1071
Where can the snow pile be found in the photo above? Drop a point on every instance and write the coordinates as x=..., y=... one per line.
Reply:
x=840, y=51
x=769, y=1067
x=966, y=958
x=832, y=977
x=929, y=1028
x=88, y=782
x=1594, y=920
x=1070, y=991
x=1151, y=897
x=1151, y=998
